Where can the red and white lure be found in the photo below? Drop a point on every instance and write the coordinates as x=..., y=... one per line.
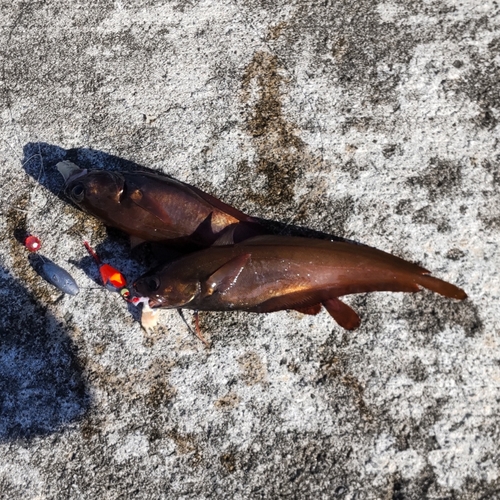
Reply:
x=112, y=279
x=115, y=281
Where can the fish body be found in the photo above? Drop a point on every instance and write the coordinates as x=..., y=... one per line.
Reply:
x=272, y=273
x=157, y=208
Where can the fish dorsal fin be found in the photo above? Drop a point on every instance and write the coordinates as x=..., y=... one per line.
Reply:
x=344, y=315
x=311, y=310
x=223, y=207
x=205, y=226
x=226, y=276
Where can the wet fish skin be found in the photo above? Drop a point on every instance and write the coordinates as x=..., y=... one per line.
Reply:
x=157, y=208
x=272, y=273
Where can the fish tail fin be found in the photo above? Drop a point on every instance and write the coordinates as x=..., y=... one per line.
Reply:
x=441, y=287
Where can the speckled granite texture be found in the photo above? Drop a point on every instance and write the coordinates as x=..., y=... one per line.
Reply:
x=375, y=121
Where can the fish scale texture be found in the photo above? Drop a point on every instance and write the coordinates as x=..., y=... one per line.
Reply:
x=373, y=121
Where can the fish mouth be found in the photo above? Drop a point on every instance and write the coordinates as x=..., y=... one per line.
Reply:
x=70, y=171
x=143, y=297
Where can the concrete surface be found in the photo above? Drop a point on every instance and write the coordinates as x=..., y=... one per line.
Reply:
x=377, y=121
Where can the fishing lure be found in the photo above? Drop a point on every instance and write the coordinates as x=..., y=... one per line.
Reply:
x=59, y=277
x=115, y=281
x=273, y=273
x=49, y=270
x=112, y=279
x=54, y=274
x=153, y=207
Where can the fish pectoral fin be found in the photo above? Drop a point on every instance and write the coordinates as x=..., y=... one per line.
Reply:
x=344, y=315
x=311, y=310
x=145, y=200
x=226, y=276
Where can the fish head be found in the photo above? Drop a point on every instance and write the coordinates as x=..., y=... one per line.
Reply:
x=166, y=291
x=96, y=191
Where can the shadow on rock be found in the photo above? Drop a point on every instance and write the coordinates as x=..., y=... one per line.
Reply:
x=283, y=229
x=42, y=387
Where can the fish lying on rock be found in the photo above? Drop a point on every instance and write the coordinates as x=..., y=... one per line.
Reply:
x=239, y=270
x=157, y=208
x=273, y=273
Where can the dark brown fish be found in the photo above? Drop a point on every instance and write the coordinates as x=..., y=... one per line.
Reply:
x=152, y=207
x=272, y=273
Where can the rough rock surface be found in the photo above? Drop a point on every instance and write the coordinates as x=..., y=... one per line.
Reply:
x=376, y=121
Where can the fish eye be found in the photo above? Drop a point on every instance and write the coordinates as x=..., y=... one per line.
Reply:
x=77, y=192
x=153, y=283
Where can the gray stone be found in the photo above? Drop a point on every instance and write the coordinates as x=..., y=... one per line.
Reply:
x=372, y=121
